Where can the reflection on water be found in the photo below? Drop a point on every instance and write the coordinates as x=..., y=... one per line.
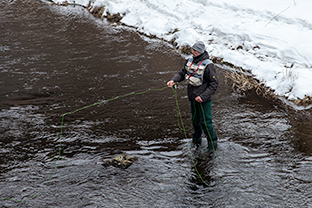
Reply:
x=58, y=59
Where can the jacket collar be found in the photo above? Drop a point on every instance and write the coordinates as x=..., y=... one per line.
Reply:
x=200, y=57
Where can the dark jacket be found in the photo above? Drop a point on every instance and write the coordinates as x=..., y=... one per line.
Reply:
x=210, y=80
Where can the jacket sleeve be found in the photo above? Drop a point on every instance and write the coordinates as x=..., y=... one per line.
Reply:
x=180, y=76
x=212, y=83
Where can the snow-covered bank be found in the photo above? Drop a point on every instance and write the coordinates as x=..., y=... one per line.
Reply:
x=270, y=38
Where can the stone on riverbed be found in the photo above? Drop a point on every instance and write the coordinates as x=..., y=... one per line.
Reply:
x=121, y=161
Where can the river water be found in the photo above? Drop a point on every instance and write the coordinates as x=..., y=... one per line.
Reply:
x=56, y=60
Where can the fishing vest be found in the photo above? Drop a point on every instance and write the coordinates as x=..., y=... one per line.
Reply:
x=195, y=72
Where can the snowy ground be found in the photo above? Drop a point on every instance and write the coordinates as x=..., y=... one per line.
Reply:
x=271, y=38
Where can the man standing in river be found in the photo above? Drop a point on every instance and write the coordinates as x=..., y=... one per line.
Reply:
x=200, y=74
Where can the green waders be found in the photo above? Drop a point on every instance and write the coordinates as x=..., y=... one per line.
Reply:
x=202, y=120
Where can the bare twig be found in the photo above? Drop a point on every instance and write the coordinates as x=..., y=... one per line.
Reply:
x=276, y=16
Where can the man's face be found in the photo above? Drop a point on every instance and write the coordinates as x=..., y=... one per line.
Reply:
x=195, y=53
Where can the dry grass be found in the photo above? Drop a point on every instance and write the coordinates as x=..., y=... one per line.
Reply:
x=242, y=83
x=96, y=12
x=307, y=100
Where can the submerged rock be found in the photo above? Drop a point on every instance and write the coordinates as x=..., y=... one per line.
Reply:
x=121, y=161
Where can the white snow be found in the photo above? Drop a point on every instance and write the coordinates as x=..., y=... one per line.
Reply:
x=276, y=35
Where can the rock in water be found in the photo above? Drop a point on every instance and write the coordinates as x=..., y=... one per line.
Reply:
x=121, y=161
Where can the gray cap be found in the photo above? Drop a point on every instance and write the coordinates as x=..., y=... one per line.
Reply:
x=199, y=46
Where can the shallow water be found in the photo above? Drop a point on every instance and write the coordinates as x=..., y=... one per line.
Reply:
x=55, y=60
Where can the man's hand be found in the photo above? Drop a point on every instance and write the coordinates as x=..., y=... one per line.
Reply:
x=198, y=99
x=170, y=83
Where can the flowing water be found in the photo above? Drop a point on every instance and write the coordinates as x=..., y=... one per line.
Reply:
x=56, y=60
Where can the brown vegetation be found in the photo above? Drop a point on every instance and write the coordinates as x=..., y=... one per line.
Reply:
x=96, y=12
x=307, y=100
x=243, y=83
x=185, y=49
x=65, y=3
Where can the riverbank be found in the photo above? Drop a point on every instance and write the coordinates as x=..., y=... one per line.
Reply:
x=60, y=59
x=243, y=80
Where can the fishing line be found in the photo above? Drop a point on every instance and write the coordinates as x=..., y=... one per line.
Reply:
x=61, y=135
x=184, y=131
x=180, y=123
x=179, y=115
x=189, y=144
x=213, y=147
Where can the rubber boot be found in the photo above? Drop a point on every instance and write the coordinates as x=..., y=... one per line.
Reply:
x=197, y=141
x=212, y=146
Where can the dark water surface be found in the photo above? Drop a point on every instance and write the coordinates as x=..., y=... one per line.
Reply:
x=58, y=59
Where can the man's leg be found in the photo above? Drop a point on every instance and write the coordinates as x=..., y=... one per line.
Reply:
x=196, y=118
x=207, y=125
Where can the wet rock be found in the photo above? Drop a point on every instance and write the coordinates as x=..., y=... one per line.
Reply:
x=120, y=161
x=256, y=47
x=240, y=47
